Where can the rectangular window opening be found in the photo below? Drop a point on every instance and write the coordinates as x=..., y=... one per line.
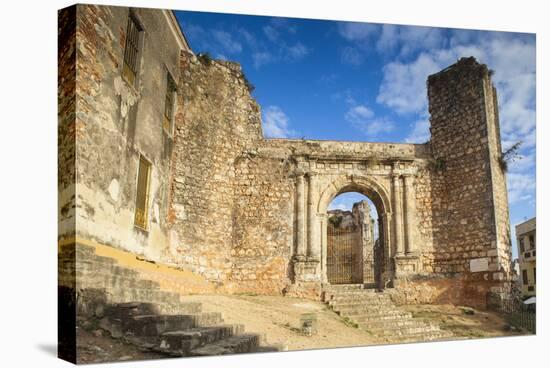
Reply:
x=169, y=102
x=142, y=193
x=131, y=50
x=524, y=277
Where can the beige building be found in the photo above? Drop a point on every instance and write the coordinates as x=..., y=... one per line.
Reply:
x=527, y=254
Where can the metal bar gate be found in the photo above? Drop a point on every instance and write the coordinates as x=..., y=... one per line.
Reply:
x=344, y=255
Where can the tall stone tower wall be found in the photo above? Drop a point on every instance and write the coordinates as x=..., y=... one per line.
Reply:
x=470, y=217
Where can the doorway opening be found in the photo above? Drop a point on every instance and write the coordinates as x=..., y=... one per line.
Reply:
x=354, y=251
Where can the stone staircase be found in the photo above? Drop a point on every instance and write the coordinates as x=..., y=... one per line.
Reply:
x=376, y=313
x=137, y=311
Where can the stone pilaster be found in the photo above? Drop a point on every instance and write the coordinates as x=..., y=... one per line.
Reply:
x=397, y=216
x=300, y=216
x=314, y=246
x=409, y=213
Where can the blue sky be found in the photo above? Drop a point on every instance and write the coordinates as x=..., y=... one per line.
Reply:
x=319, y=79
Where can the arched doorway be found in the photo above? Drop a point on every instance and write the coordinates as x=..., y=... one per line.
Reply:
x=353, y=250
x=346, y=257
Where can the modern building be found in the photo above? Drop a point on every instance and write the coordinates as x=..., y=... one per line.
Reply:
x=527, y=253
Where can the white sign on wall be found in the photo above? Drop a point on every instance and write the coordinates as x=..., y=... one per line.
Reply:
x=479, y=264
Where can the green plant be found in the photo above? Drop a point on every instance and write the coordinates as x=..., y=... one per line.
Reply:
x=248, y=85
x=510, y=155
x=335, y=221
x=439, y=164
x=205, y=58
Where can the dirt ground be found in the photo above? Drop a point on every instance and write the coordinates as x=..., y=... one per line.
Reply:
x=97, y=346
x=277, y=318
x=464, y=322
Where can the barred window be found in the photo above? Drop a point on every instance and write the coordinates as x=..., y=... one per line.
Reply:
x=142, y=195
x=169, y=103
x=525, y=278
x=131, y=50
x=521, y=245
x=532, y=241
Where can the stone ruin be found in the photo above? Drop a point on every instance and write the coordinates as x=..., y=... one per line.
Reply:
x=244, y=213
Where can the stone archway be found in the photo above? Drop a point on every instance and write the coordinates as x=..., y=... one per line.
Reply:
x=377, y=194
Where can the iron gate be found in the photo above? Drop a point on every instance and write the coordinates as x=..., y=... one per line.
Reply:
x=344, y=255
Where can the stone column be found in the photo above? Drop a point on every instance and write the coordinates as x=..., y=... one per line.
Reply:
x=324, y=240
x=314, y=248
x=300, y=215
x=397, y=219
x=409, y=213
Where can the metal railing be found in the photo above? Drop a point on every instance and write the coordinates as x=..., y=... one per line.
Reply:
x=520, y=315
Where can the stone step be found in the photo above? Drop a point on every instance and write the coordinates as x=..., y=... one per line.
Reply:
x=87, y=268
x=344, y=287
x=180, y=343
x=401, y=331
x=352, y=304
x=391, y=325
x=362, y=308
x=107, y=281
x=382, y=316
x=155, y=325
x=422, y=337
x=72, y=251
x=366, y=294
x=357, y=297
x=246, y=343
x=131, y=309
x=117, y=295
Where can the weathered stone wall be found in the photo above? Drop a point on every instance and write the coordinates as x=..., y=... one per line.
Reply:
x=263, y=217
x=66, y=128
x=216, y=121
x=116, y=122
x=224, y=202
x=470, y=228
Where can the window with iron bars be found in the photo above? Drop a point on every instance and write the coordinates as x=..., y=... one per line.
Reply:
x=169, y=103
x=131, y=50
x=142, y=193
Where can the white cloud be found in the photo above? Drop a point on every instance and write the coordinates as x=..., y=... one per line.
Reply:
x=297, y=51
x=409, y=39
x=355, y=31
x=261, y=58
x=521, y=187
x=403, y=87
x=524, y=163
x=359, y=112
x=350, y=55
x=420, y=132
x=227, y=42
x=271, y=33
x=276, y=123
x=362, y=118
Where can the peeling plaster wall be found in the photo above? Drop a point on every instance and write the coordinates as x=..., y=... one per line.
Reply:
x=116, y=122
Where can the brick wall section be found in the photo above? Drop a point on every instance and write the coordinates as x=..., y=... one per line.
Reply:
x=66, y=128
x=217, y=119
x=116, y=122
x=66, y=84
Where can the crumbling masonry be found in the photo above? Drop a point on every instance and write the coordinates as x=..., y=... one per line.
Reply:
x=246, y=213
